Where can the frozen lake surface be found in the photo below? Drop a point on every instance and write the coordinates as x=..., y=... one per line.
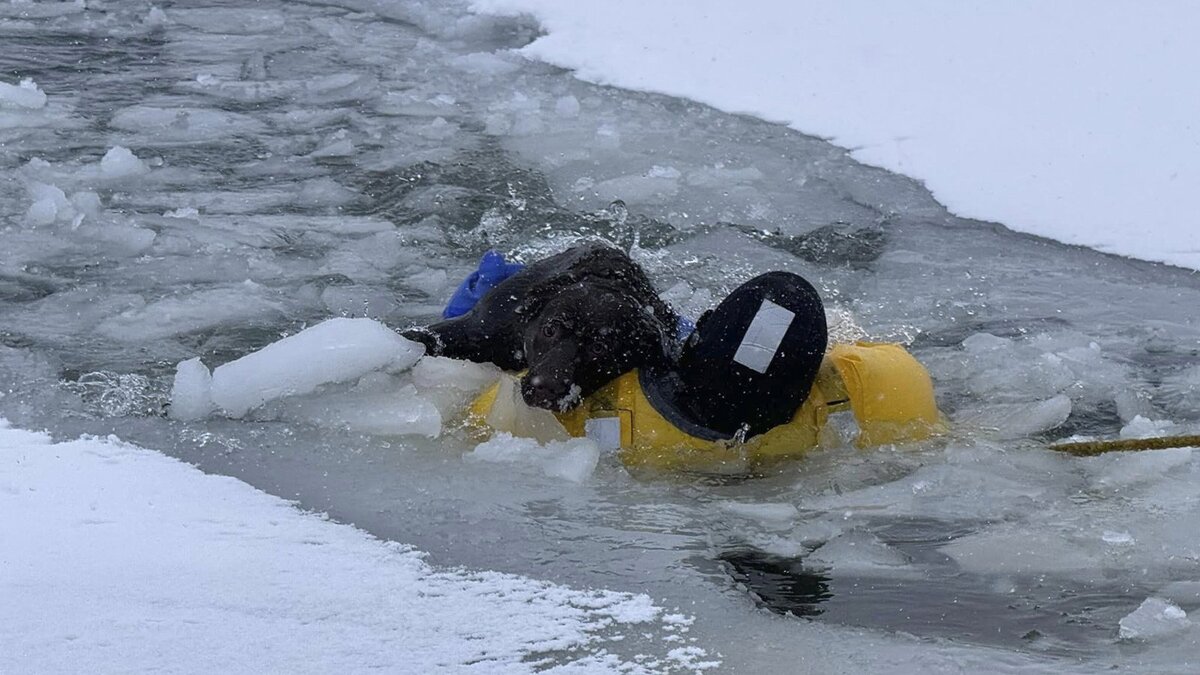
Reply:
x=201, y=181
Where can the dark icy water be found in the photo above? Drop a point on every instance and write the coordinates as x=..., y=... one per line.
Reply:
x=298, y=161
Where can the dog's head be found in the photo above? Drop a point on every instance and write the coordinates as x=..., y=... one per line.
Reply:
x=584, y=337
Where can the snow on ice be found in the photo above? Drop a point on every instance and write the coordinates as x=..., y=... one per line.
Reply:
x=141, y=562
x=1068, y=121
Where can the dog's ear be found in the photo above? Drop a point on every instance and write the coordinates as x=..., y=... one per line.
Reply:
x=536, y=297
x=655, y=344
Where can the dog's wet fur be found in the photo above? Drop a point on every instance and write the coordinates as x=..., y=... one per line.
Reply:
x=573, y=322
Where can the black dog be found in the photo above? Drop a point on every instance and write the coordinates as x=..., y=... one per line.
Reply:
x=575, y=320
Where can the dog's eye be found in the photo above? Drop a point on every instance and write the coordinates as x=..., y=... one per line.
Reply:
x=595, y=349
x=549, y=330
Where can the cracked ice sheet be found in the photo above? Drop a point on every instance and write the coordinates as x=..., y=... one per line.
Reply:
x=120, y=559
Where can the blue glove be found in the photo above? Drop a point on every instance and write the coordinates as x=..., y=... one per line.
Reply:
x=492, y=270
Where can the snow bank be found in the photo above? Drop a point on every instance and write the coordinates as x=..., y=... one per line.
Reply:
x=119, y=559
x=1073, y=120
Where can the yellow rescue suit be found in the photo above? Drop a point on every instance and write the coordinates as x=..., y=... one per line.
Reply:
x=889, y=392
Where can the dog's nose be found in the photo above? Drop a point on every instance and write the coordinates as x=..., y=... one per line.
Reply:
x=540, y=392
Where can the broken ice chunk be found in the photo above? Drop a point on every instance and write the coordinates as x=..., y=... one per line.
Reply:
x=1154, y=619
x=24, y=96
x=391, y=412
x=1018, y=420
x=858, y=551
x=337, y=350
x=573, y=460
x=567, y=106
x=120, y=162
x=191, y=396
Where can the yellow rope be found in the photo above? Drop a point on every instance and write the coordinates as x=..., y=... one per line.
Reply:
x=1089, y=448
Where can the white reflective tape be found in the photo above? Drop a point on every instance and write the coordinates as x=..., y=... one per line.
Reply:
x=604, y=431
x=763, y=336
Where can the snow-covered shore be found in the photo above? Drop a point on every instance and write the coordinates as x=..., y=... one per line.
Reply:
x=139, y=562
x=1072, y=120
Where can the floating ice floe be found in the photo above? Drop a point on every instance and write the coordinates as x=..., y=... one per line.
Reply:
x=1155, y=618
x=231, y=21
x=20, y=9
x=510, y=414
x=24, y=107
x=1023, y=550
x=655, y=186
x=182, y=124
x=1017, y=420
x=1039, y=367
x=338, y=145
x=450, y=384
x=567, y=106
x=326, y=89
x=376, y=405
x=25, y=95
x=858, y=551
x=1142, y=427
x=66, y=195
x=573, y=460
x=120, y=162
x=168, y=317
x=1115, y=471
x=50, y=205
x=779, y=514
